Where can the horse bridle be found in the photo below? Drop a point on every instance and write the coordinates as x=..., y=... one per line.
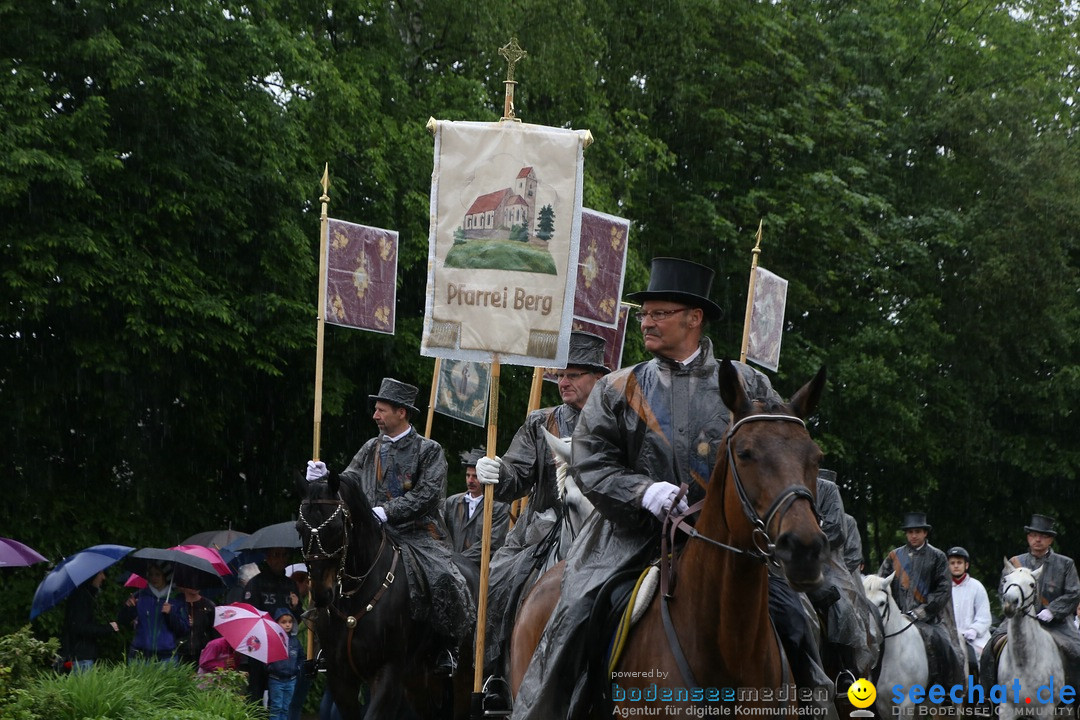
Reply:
x=1026, y=601
x=763, y=546
x=311, y=554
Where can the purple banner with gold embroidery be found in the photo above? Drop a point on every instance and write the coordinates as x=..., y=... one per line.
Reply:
x=601, y=267
x=361, y=276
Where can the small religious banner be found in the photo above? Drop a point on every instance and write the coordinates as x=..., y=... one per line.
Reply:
x=767, y=319
x=601, y=267
x=504, y=237
x=361, y=276
x=463, y=390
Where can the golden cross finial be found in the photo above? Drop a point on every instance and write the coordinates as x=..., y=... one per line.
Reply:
x=513, y=53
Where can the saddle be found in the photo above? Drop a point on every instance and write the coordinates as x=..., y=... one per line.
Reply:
x=604, y=623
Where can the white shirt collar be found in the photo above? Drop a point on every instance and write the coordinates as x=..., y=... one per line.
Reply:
x=398, y=436
x=693, y=356
x=474, y=502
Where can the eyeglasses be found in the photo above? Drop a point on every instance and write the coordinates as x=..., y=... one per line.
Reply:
x=571, y=376
x=657, y=315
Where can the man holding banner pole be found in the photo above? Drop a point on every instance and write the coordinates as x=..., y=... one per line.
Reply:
x=528, y=468
x=403, y=476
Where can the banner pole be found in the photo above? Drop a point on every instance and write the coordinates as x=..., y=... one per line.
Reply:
x=320, y=315
x=485, y=548
x=431, y=398
x=320, y=327
x=750, y=296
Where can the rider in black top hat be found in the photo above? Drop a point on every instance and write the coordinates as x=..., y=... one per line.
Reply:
x=1059, y=594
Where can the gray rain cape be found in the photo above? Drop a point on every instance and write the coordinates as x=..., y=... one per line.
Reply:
x=528, y=467
x=923, y=581
x=407, y=479
x=654, y=421
x=848, y=615
x=1059, y=590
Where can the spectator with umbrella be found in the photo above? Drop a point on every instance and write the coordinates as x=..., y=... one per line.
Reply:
x=270, y=590
x=159, y=618
x=79, y=636
x=79, y=576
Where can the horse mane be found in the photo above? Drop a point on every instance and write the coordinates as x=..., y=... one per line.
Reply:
x=350, y=492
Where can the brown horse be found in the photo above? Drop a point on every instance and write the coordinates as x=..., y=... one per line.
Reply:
x=372, y=646
x=759, y=508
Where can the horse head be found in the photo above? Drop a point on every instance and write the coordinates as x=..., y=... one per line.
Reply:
x=577, y=507
x=337, y=529
x=1020, y=589
x=879, y=592
x=772, y=464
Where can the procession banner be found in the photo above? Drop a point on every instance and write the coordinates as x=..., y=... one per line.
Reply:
x=505, y=228
x=463, y=390
x=767, y=319
x=361, y=276
x=601, y=267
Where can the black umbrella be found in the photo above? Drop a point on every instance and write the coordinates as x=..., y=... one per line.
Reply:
x=190, y=571
x=281, y=535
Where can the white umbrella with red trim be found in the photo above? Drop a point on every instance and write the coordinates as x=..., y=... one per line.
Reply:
x=251, y=632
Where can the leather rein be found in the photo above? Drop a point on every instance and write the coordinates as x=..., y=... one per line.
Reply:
x=763, y=548
x=314, y=550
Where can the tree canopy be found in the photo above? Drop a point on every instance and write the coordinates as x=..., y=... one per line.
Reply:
x=914, y=164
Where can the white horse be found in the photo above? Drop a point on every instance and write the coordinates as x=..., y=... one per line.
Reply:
x=903, y=661
x=1030, y=654
x=576, y=507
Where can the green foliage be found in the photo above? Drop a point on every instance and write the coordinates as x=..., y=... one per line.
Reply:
x=459, y=236
x=132, y=692
x=518, y=233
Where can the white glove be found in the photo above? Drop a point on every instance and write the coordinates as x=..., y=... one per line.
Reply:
x=658, y=498
x=487, y=470
x=379, y=513
x=970, y=634
x=1045, y=615
x=316, y=470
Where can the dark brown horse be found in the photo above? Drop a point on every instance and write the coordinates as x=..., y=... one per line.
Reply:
x=360, y=590
x=759, y=508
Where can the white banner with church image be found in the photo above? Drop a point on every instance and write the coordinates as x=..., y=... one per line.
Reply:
x=503, y=244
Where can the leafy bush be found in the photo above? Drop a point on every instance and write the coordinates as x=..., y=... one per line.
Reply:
x=30, y=690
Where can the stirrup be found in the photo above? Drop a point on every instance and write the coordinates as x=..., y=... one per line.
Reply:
x=496, y=698
x=844, y=674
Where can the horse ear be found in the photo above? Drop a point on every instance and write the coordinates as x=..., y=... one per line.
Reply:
x=805, y=401
x=1038, y=573
x=560, y=447
x=887, y=582
x=1008, y=565
x=731, y=390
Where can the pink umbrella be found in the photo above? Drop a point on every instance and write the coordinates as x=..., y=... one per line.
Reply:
x=252, y=632
x=210, y=555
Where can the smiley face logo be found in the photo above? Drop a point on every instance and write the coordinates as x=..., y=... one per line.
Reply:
x=862, y=693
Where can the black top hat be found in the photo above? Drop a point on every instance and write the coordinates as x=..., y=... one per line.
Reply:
x=469, y=457
x=1041, y=524
x=680, y=281
x=958, y=552
x=915, y=521
x=587, y=351
x=397, y=393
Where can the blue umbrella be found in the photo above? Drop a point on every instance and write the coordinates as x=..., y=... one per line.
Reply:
x=72, y=572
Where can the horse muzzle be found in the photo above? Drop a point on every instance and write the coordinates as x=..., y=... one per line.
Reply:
x=801, y=560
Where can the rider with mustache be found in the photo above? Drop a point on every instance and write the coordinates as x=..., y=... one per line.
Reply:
x=645, y=429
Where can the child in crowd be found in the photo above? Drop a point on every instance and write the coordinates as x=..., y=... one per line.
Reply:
x=283, y=673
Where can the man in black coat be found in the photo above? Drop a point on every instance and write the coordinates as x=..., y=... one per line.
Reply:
x=78, y=640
